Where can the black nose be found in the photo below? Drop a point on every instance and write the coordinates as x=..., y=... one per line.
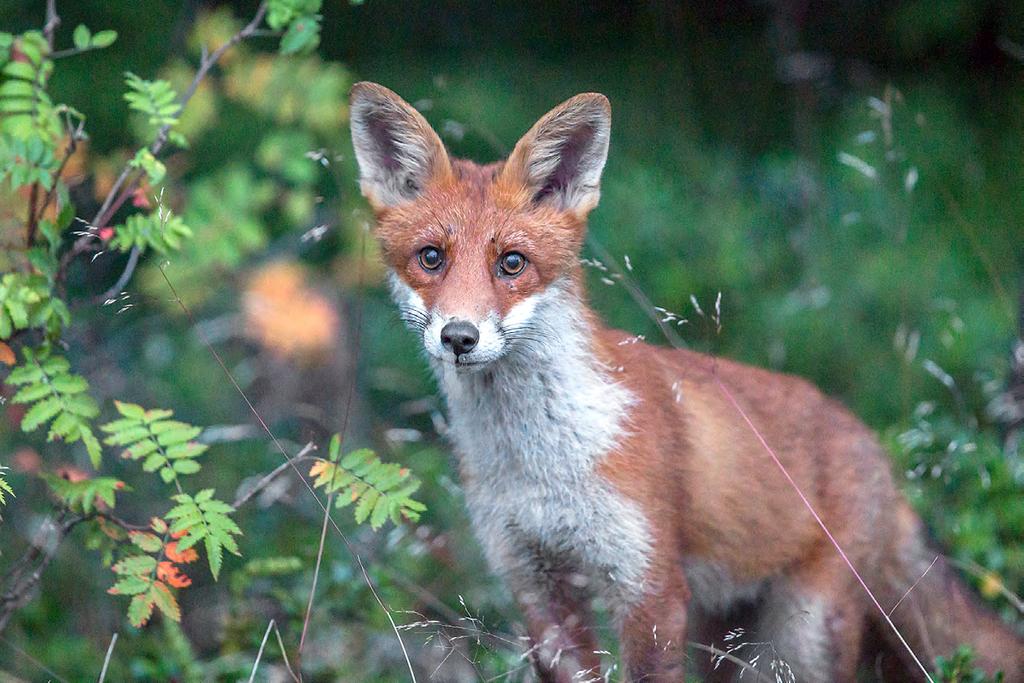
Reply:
x=459, y=337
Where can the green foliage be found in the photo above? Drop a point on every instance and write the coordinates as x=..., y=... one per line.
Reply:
x=84, y=39
x=161, y=231
x=27, y=160
x=82, y=496
x=300, y=20
x=960, y=668
x=969, y=488
x=380, y=491
x=27, y=301
x=26, y=110
x=153, y=167
x=236, y=205
x=158, y=102
x=167, y=445
x=230, y=206
x=56, y=396
x=205, y=519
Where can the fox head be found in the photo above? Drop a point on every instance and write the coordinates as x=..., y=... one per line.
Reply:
x=479, y=254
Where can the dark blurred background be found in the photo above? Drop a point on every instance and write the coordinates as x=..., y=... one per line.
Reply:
x=846, y=174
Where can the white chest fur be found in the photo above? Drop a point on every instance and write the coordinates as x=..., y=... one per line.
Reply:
x=529, y=432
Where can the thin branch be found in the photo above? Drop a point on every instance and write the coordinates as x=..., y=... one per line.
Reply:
x=52, y=22
x=284, y=655
x=316, y=577
x=122, y=282
x=263, y=483
x=387, y=612
x=73, y=51
x=106, y=660
x=74, y=135
x=32, y=220
x=28, y=571
x=122, y=188
x=259, y=654
x=909, y=590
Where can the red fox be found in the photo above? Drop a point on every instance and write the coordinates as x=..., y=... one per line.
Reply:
x=595, y=467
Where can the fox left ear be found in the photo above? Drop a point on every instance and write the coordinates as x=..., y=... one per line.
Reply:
x=397, y=150
x=560, y=159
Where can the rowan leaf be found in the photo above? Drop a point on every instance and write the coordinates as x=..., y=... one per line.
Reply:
x=165, y=601
x=145, y=541
x=129, y=585
x=380, y=491
x=140, y=609
x=40, y=413
x=135, y=565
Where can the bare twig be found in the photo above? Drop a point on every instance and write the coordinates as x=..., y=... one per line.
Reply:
x=74, y=135
x=263, y=483
x=284, y=655
x=259, y=654
x=387, y=612
x=52, y=22
x=32, y=221
x=122, y=282
x=316, y=578
x=26, y=573
x=106, y=660
x=909, y=590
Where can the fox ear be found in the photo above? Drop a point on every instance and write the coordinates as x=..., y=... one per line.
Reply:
x=397, y=150
x=560, y=159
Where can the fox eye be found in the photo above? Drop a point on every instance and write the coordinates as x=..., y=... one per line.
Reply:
x=431, y=258
x=512, y=263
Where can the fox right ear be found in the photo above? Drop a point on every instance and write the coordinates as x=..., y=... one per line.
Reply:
x=559, y=161
x=397, y=150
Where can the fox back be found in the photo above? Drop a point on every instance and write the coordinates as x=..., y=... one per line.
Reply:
x=595, y=465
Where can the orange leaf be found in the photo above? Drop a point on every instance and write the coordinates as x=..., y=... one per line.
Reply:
x=183, y=557
x=166, y=571
x=7, y=354
x=179, y=534
x=318, y=468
